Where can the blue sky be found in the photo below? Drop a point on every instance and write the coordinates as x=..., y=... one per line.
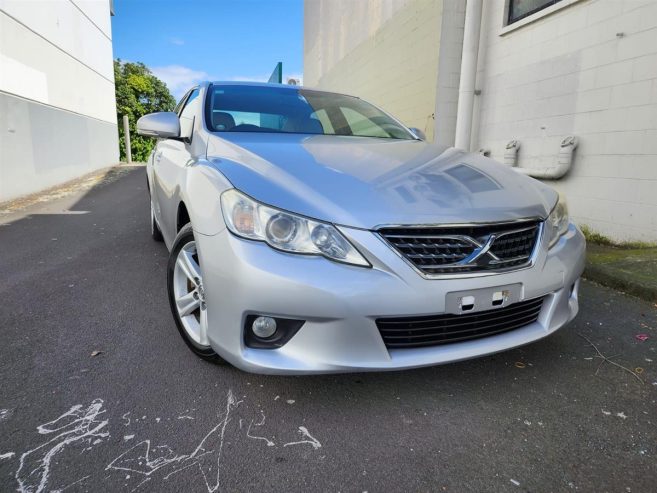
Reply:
x=183, y=42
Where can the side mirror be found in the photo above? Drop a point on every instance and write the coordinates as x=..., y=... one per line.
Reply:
x=418, y=133
x=164, y=125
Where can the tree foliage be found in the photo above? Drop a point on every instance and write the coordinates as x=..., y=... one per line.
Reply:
x=138, y=92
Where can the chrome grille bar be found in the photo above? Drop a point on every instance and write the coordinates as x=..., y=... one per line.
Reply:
x=447, y=249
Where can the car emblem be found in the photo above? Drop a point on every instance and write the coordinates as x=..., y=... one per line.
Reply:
x=481, y=255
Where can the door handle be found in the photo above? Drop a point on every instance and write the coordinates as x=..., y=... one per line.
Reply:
x=158, y=156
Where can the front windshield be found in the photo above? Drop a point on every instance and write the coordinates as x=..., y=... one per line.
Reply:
x=242, y=108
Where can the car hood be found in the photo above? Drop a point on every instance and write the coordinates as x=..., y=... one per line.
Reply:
x=368, y=182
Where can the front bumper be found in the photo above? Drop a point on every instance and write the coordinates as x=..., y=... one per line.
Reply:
x=340, y=303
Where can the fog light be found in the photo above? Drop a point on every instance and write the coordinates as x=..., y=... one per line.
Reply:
x=262, y=332
x=264, y=327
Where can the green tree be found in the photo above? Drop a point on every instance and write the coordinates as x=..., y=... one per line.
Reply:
x=138, y=92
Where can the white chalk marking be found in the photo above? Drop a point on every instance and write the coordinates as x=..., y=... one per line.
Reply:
x=176, y=471
x=139, y=485
x=230, y=405
x=311, y=440
x=73, y=484
x=146, y=460
x=262, y=422
x=75, y=425
x=137, y=459
x=5, y=414
x=7, y=455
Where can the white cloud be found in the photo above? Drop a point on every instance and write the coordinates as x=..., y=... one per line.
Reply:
x=177, y=41
x=178, y=78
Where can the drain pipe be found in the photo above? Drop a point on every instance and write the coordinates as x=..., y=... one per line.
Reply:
x=564, y=162
x=511, y=153
x=468, y=74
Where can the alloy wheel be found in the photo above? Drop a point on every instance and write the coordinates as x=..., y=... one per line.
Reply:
x=189, y=294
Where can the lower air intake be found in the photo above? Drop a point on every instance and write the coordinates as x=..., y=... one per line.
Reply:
x=432, y=330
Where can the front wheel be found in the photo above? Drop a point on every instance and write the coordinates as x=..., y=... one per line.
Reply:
x=186, y=294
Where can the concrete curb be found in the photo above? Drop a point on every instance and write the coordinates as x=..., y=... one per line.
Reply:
x=633, y=271
x=603, y=276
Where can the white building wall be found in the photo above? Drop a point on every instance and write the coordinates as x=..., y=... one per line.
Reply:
x=57, y=102
x=385, y=51
x=588, y=69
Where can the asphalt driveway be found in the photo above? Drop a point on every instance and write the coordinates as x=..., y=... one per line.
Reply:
x=99, y=393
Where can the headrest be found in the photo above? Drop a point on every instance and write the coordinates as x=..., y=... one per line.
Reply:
x=303, y=125
x=222, y=121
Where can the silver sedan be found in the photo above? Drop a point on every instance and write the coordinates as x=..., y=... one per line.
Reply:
x=311, y=232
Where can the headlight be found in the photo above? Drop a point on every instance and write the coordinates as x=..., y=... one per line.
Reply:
x=557, y=221
x=285, y=231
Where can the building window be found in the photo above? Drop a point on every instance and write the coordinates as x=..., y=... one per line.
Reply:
x=519, y=9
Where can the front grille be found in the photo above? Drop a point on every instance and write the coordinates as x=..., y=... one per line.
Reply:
x=457, y=249
x=432, y=330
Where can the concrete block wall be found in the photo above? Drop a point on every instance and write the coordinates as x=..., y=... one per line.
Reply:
x=449, y=70
x=57, y=102
x=588, y=69
x=383, y=51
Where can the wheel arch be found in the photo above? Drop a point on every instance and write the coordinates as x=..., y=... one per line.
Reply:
x=182, y=216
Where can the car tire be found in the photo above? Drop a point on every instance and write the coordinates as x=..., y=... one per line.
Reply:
x=156, y=232
x=185, y=289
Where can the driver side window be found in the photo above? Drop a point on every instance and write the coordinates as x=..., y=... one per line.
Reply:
x=187, y=115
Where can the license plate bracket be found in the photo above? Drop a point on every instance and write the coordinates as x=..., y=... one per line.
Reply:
x=477, y=300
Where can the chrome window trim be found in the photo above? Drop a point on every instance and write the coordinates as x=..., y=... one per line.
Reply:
x=461, y=275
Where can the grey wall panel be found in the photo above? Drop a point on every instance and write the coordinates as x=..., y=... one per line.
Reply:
x=42, y=146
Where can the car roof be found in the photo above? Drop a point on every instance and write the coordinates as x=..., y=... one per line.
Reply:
x=250, y=83
x=271, y=84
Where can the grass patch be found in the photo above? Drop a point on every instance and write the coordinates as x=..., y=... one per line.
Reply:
x=600, y=239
